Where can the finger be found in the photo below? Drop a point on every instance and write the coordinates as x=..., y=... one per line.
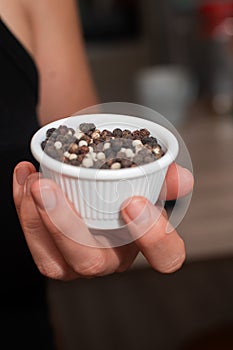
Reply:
x=178, y=182
x=44, y=252
x=21, y=172
x=164, y=252
x=70, y=234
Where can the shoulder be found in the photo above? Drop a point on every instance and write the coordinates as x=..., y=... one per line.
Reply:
x=48, y=5
x=57, y=32
x=54, y=22
x=45, y=11
x=65, y=78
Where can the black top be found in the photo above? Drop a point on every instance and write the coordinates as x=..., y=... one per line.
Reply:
x=18, y=101
x=22, y=287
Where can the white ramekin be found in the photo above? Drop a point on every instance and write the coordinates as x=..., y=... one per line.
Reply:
x=98, y=194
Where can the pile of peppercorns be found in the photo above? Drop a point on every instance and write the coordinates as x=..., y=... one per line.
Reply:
x=91, y=148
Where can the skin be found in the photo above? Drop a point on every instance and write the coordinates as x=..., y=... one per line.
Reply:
x=50, y=31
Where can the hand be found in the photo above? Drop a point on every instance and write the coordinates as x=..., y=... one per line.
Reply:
x=59, y=257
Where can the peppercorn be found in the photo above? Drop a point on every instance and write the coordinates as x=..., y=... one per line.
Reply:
x=117, y=132
x=87, y=127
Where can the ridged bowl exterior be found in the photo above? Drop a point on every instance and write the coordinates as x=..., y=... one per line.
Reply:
x=99, y=202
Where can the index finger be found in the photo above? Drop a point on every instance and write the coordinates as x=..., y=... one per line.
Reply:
x=178, y=182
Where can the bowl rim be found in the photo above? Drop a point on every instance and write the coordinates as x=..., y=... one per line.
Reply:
x=165, y=137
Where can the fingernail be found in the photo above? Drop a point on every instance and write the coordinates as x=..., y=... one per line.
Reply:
x=138, y=210
x=21, y=173
x=47, y=198
x=29, y=181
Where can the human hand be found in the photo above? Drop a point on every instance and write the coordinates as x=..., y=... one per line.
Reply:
x=59, y=257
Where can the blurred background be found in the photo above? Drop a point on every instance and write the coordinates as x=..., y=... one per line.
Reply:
x=176, y=57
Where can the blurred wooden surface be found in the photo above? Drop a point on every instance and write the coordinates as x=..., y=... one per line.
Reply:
x=207, y=227
x=142, y=309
